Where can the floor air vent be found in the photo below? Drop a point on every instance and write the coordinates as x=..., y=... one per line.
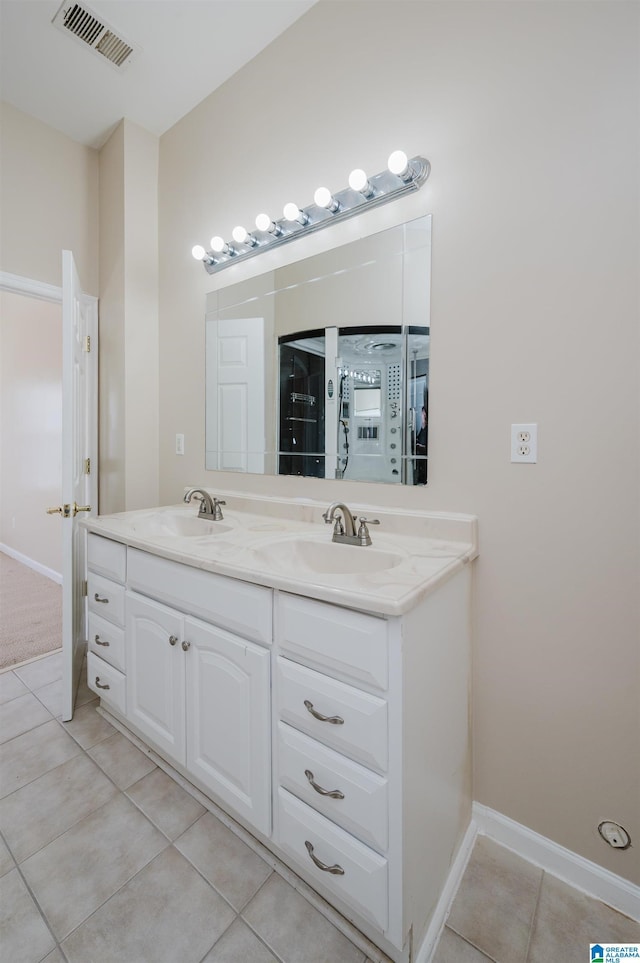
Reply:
x=78, y=20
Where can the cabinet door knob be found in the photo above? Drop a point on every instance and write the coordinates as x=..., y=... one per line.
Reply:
x=99, y=684
x=98, y=599
x=99, y=641
x=334, y=720
x=186, y=646
x=173, y=639
x=335, y=869
x=334, y=793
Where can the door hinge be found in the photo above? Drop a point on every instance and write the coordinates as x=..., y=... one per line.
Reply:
x=87, y=466
x=84, y=587
x=87, y=343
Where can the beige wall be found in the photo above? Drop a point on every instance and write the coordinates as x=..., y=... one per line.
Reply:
x=30, y=427
x=48, y=199
x=528, y=113
x=128, y=320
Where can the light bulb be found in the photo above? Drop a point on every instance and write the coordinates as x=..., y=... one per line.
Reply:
x=198, y=252
x=242, y=236
x=398, y=164
x=292, y=212
x=264, y=223
x=358, y=181
x=219, y=245
x=324, y=198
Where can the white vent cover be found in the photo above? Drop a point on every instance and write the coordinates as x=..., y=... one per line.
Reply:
x=79, y=21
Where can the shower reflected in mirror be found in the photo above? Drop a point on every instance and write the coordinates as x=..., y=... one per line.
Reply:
x=359, y=412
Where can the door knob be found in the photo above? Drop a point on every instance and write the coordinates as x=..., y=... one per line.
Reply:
x=67, y=511
x=64, y=510
x=186, y=646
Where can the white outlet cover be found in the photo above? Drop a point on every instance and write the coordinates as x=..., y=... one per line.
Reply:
x=524, y=444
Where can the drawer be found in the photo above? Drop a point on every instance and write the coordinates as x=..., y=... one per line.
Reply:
x=106, y=682
x=106, y=598
x=241, y=607
x=106, y=641
x=360, y=726
x=363, y=882
x=107, y=557
x=340, y=641
x=361, y=808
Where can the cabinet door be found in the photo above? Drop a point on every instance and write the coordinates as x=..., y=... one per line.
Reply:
x=228, y=720
x=155, y=673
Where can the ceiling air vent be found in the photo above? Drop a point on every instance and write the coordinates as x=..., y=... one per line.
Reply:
x=83, y=24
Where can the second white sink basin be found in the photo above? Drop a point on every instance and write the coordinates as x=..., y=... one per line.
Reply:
x=154, y=524
x=298, y=555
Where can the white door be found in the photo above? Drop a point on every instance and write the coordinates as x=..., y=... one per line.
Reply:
x=79, y=465
x=235, y=420
x=228, y=720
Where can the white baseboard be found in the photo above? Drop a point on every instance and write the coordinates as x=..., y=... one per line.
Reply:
x=30, y=563
x=447, y=896
x=578, y=872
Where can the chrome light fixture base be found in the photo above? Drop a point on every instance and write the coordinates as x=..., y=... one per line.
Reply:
x=385, y=186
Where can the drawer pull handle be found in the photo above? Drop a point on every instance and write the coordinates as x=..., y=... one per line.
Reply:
x=99, y=641
x=98, y=599
x=334, y=720
x=334, y=793
x=99, y=684
x=335, y=869
x=173, y=639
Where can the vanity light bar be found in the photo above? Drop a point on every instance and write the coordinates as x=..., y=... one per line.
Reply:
x=402, y=176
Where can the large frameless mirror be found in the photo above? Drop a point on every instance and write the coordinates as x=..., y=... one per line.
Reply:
x=321, y=368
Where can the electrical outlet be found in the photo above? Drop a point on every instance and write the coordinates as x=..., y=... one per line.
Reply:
x=179, y=444
x=524, y=444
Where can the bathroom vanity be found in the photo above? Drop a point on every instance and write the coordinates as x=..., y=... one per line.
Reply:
x=317, y=692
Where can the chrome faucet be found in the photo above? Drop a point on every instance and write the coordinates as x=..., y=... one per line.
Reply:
x=344, y=525
x=209, y=507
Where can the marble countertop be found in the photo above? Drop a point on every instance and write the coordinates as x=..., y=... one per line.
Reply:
x=284, y=544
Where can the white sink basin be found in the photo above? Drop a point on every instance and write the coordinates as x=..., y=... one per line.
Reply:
x=307, y=555
x=155, y=524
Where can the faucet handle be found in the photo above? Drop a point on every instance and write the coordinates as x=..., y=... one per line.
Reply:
x=217, y=512
x=363, y=531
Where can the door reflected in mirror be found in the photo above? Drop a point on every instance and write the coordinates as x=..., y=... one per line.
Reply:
x=321, y=368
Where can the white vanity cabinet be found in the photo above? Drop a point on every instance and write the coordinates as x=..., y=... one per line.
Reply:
x=172, y=654
x=202, y=697
x=371, y=755
x=106, y=575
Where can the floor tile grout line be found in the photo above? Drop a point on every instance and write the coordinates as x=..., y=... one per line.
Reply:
x=153, y=823
x=534, y=916
x=89, y=813
x=19, y=736
x=208, y=881
x=471, y=943
x=36, y=902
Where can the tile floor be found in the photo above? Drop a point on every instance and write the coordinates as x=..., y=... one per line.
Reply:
x=105, y=859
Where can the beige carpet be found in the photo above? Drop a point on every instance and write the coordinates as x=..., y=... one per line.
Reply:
x=30, y=613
